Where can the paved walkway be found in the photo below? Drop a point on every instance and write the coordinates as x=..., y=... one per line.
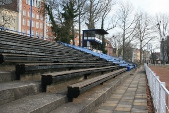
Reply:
x=129, y=97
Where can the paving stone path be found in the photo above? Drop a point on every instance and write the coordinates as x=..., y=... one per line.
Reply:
x=129, y=97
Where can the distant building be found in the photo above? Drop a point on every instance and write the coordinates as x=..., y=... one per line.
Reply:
x=49, y=34
x=115, y=52
x=146, y=56
x=164, y=50
x=136, y=55
x=108, y=47
x=38, y=28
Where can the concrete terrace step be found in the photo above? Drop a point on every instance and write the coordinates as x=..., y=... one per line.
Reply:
x=40, y=103
x=6, y=76
x=10, y=91
x=89, y=100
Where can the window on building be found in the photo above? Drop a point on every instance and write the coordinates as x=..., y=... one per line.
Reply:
x=41, y=25
x=32, y=32
x=24, y=21
x=28, y=31
x=24, y=12
x=28, y=14
x=28, y=2
x=41, y=35
x=23, y=31
x=37, y=16
x=33, y=15
x=38, y=4
x=28, y=23
x=33, y=24
x=41, y=17
x=33, y=2
x=37, y=24
x=37, y=33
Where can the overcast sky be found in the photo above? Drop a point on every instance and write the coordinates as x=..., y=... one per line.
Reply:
x=151, y=6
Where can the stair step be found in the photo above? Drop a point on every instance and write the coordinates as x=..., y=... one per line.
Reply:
x=6, y=76
x=10, y=91
x=91, y=99
x=40, y=103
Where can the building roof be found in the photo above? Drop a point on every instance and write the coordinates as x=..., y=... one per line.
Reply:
x=98, y=31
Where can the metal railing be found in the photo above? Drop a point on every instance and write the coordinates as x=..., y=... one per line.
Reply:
x=158, y=90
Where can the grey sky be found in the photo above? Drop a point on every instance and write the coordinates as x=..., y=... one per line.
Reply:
x=151, y=6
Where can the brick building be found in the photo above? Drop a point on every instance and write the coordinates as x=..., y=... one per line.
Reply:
x=38, y=28
x=108, y=47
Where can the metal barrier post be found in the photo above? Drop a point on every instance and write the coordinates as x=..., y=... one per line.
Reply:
x=162, y=98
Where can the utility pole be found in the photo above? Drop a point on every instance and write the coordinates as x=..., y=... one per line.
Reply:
x=162, y=41
x=30, y=18
x=163, y=49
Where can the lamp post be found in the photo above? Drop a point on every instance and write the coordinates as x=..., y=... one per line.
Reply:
x=162, y=41
x=163, y=49
x=30, y=18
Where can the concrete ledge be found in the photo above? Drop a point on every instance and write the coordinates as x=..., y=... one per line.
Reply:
x=6, y=76
x=88, y=101
x=17, y=89
x=41, y=103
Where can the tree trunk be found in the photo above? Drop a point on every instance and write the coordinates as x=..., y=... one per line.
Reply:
x=123, y=53
x=79, y=29
x=140, y=51
x=73, y=36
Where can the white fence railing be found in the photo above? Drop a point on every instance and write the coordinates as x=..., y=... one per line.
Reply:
x=159, y=93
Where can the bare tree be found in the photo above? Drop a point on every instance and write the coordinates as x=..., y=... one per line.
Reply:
x=67, y=10
x=163, y=30
x=6, y=13
x=162, y=21
x=106, y=8
x=116, y=41
x=127, y=23
x=93, y=10
x=6, y=17
x=81, y=11
x=144, y=31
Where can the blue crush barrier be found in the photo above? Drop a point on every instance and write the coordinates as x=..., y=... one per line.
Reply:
x=115, y=60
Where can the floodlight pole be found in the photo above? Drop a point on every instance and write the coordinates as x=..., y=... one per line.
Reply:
x=30, y=18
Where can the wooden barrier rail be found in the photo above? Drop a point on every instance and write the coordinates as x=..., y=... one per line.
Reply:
x=50, y=78
x=31, y=67
x=75, y=90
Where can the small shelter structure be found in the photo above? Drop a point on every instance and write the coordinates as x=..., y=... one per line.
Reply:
x=92, y=38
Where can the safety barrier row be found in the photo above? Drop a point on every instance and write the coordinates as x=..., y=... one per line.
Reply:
x=158, y=90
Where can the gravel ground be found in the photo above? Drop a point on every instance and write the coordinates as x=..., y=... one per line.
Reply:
x=163, y=73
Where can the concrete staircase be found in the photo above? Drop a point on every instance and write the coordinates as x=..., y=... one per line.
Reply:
x=26, y=96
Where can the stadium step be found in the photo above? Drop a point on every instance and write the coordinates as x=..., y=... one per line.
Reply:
x=13, y=90
x=58, y=102
x=40, y=103
x=88, y=101
x=6, y=76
